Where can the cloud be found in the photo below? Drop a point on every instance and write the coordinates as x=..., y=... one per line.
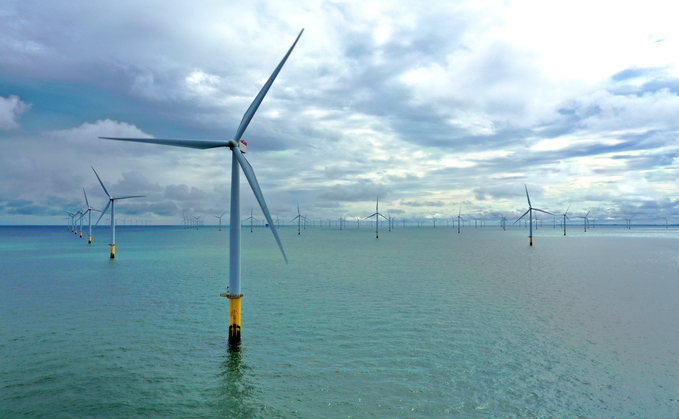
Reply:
x=89, y=133
x=11, y=109
x=422, y=204
x=363, y=190
x=427, y=106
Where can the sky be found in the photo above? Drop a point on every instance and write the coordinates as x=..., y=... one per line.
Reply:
x=434, y=107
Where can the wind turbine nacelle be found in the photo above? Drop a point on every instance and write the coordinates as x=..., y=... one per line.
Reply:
x=242, y=146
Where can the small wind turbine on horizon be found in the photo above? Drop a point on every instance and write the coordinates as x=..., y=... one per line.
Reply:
x=565, y=217
x=112, y=203
x=220, y=220
x=530, y=216
x=458, y=220
x=585, y=220
x=89, y=212
x=238, y=148
x=251, y=218
x=377, y=216
x=299, y=221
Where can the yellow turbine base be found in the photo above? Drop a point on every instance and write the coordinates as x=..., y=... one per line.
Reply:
x=113, y=251
x=377, y=234
x=564, y=232
x=89, y=239
x=531, y=240
x=234, y=319
x=81, y=234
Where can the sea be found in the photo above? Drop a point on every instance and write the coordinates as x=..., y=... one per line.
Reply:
x=420, y=323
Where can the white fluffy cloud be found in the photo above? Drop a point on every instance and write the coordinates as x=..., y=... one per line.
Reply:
x=10, y=110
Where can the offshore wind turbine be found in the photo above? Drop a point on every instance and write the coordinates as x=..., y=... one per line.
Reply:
x=238, y=147
x=530, y=217
x=377, y=216
x=251, y=218
x=458, y=220
x=70, y=220
x=220, y=220
x=112, y=203
x=585, y=220
x=89, y=212
x=299, y=221
x=565, y=217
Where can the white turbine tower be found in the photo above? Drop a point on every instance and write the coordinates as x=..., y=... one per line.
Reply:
x=238, y=148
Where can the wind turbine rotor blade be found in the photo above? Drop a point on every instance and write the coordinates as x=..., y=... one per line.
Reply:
x=199, y=144
x=524, y=214
x=103, y=212
x=569, y=207
x=86, y=201
x=247, y=117
x=127, y=197
x=527, y=197
x=587, y=213
x=252, y=179
x=100, y=182
x=535, y=209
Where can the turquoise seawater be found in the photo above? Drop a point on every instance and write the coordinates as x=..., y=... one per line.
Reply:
x=423, y=322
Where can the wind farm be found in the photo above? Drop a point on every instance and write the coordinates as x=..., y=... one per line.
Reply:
x=416, y=109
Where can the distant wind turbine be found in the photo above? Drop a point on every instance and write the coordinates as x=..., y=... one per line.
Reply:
x=458, y=220
x=251, y=218
x=299, y=221
x=238, y=148
x=377, y=216
x=220, y=220
x=112, y=203
x=89, y=212
x=565, y=217
x=585, y=220
x=530, y=215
